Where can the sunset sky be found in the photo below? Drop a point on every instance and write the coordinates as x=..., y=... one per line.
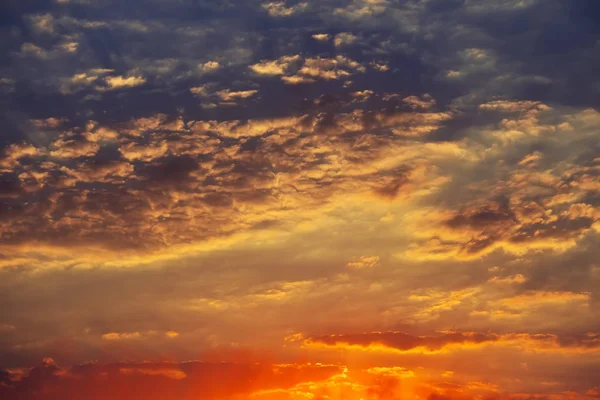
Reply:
x=300, y=200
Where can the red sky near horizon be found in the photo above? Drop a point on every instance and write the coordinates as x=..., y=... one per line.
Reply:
x=300, y=200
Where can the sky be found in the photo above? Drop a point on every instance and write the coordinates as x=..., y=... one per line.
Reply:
x=300, y=200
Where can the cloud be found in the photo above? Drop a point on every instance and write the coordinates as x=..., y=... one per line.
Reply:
x=80, y=81
x=504, y=5
x=331, y=166
x=343, y=39
x=73, y=146
x=321, y=37
x=237, y=380
x=514, y=279
x=364, y=262
x=455, y=341
x=209, y=66
x=275, y=67
x=399, y=372
x=329, y=68
x=13, y=153
x=360, y=9
x=535, y=299
x=528, y=207
x=42, y=23
x=171, y=334
x=279, y=9
x=294, y=69
x=30, y=48
x=297, y=79
x=387, y=217
x=228, y=95
x=304, y=161
x=425, y=102
x=169, y=373
x=161, y=379
x=115, y=336
x=117, y=82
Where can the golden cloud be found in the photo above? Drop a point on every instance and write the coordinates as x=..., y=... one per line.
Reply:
x=115, y=336
x=116, y=82
x=174, y=183
x=449, y=341
x=364, y=262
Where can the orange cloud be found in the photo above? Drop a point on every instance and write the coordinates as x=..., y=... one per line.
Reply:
x=530, y=206
x=116, y=82
x=121, y=336
x=514, y=279
x=174, y=183
x=13, y=153
x=279, y=9
x=236, y=381
x=295, y=69
x=535, y=299
x=169, y=373
x=454, y=341
x=364, y=262
x=153, y=380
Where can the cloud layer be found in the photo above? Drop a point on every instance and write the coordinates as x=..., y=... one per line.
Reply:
x=373, y=199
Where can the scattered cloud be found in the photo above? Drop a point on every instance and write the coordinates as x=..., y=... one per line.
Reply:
x=279, y=9
x=396, y=169
x=364, y=262
x=171, y=334
x=344, y=39
x=454, y=341
x=116, y=82
x=114, y=336
x=228, y=95
x=275, y=67
x=209, y=66
x=321, y=37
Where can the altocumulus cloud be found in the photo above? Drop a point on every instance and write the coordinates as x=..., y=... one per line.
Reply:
x=418, y=177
